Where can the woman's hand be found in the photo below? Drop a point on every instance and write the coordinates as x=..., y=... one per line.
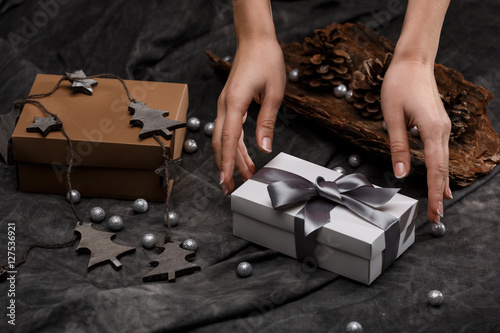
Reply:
x=410, y=98
x=258, y=74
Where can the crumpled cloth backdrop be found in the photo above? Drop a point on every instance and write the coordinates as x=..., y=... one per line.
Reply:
x=164, y=41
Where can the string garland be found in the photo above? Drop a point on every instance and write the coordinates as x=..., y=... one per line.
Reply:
x=32, y=99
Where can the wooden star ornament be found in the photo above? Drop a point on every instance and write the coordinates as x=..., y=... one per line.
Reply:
x=171, y=263
x=44, y=125
x=173, y=166
x=152, y=121
x=100, y=246
x=80, y=82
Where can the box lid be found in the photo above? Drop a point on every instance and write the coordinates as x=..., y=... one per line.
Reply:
x=346, y=231
x=98, y=125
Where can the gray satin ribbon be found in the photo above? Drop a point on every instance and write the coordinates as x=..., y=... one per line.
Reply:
x=352, y=191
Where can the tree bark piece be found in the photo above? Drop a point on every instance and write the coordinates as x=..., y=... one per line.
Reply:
x=475, y=153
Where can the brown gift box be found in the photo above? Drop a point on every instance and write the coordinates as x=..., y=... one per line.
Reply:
x=110, y=159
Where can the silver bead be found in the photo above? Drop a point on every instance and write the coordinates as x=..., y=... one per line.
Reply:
x=190, y=245
x=140, y=206
x=354, y=161
x=173, y=218
x=435, y=298
x=340, y=90
x=190, y=146
x=75, y=195
x=354, y=327
x=438, y=229
x=294, y=75
x=148, y=241
x=115, y=223
x=340, y=170
x=349, y=96
x=97, y=214
x=414, y=131
x=209, y=128
x=384, y=126
x=193, y=124
x=227, y=58
x=244, y=269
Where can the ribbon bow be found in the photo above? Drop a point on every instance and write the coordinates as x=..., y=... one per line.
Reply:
x=352, y=191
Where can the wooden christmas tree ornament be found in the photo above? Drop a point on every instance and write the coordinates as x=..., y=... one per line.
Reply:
x=100, y=246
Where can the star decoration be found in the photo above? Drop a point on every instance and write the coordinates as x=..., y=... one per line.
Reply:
x=44, y=125
x=172, y=166
x=80, y=82
x=152, y=121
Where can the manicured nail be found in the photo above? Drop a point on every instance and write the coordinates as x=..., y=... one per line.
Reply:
x=449, y=192
x=224, y=190
x=440, y=209
x=399, y=170
x=437, y=220
x=221, y=177
x=266, y=144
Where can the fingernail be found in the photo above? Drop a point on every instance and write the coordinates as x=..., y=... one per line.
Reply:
x=221, y=177
x=399, y=170
x=266, y=144
x=440, y=209
x=449, y=193
x=224, y=190
x=437, y=220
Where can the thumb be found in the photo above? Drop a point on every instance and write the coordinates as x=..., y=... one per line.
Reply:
x=266, y=121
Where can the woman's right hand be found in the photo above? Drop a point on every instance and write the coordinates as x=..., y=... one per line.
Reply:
x=258, y=74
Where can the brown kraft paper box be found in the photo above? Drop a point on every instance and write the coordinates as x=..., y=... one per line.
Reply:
x=110, y=159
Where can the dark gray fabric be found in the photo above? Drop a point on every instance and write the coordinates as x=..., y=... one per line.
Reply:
x=164, y=40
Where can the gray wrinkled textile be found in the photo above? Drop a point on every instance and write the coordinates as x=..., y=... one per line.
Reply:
x=164, y=41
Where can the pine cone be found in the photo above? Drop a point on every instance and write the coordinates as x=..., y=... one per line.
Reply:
x=457, y=110
x=325, y=64
x=366, y=85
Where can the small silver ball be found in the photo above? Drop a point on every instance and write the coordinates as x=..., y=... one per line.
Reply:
x=340, y=170
x=148, y=241
x=244, y=269
x=349, y=96
x=193, y=124
x=140, y=206
x=97, y=214
x=340, y=90
x=115, y=223
x=354, y=161
x=190, y=146
x=227, y=58
x=435, y=298
x=414, y=131
x=173, y=218
x=75, y=195
x=354, y=327
x=190, y=245
x=209, y=128
x=294, y=75
x=384, y=126
x=438, y=229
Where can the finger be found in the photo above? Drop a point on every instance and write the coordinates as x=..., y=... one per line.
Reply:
x=447, y=190
x=267, y=119
x=437, y=171
x=400, y=151
x=244, y=163
x=230, y=135
x=217, y=133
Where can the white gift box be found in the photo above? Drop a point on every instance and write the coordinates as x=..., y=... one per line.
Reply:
x=347, y=245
